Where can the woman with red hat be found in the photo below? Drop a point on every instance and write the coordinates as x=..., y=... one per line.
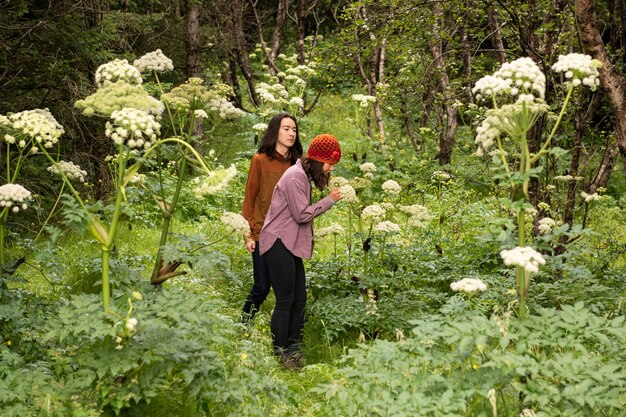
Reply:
x=287, y=237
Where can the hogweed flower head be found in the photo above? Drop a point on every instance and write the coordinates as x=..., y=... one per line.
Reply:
x=119, y=95
x=468, y=285
x=131, y=324
x=523, y=256
x=367, y=167
x=236, y=223
x=386, y=227
x=71, y=170
x=334, y=229
x=579, y=69
x=200, y=114
x=363, y=100
x=135, y=128
x=391, y=188
x=373, y=213
x=38, y=125
x=15, y=197
x=590, y=197
x=154, y=61
x=118, y=69
x=546, y=225
x=215, y=182
x=224, y=108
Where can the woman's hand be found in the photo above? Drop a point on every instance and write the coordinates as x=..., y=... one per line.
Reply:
x=251, y=245
x=335, y=194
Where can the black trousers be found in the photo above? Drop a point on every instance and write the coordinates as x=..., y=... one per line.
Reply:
x=289, y=284
x=261, y=287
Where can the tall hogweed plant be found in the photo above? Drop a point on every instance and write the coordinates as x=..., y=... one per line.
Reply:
x=516, y=93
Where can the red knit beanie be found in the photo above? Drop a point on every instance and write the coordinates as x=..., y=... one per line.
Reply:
x=324, y=148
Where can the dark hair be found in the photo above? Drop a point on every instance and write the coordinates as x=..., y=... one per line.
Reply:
x=270, y=137
x=315, y=171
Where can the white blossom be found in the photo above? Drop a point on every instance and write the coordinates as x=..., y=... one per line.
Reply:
x=367, y=167
x=154, y=61
x=546, y=225
x=224, y=108
x=386, y=227
x=115, y=70
x=236, y=223
x=590, y=197
x=38, y=124
x=524, y=256
x=391, y=187
x=71, y=170
x=260, y=127
x=200, y=114
x=14, y=196
x=373, y=213
x=468, y=285
x=363, y=100
x=131, y=324
x=579, y=69
x=333, y=229
x=135, y=128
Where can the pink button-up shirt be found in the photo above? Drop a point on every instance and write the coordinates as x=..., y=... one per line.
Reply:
x=290, y=216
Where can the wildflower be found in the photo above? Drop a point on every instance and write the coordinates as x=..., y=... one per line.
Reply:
x=363, y=100
x=135, y=128
x=117, y=70
x=590, y=197
x=243, y=356
x=200, y=114
x=579, y=69
x=359, y=183
x=224, y=108
x=260, y=127
x=38, y=124
x=297, y=101
x=525, y=256
x=119, y=95
x=367, y=167
x=215, y=182
x=131, y=324
x=235, y=222
x=387, y=206
x=546, y=225
x=371, y=308
x=564, y=178
x=543, y=206
x=491, y=86
x=386, y=227
x=136, y=295
x=154, y=61
x=333, y=229
x=71, y=170
x=14, y=196
x=440, y=176
x=391, y=187
x=468, y=285
x=373, y=213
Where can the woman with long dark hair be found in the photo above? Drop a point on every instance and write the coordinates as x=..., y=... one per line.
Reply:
x=287, y=237
x=279, y=149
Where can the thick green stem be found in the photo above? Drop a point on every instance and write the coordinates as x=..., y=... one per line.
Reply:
x=168, y=218
x=2, y=233
x=106, y=290
x=520, y=272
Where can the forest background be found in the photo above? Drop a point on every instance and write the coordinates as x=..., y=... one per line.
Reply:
x=386, y=334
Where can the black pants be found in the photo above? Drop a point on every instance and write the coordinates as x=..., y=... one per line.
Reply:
x=261, y=287
x=289, y=283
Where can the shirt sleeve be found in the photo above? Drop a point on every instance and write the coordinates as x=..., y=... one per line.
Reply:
x=297, y=193
x=253, y=184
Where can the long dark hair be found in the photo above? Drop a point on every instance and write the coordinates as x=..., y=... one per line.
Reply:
x=270, y=137
x=315, y=171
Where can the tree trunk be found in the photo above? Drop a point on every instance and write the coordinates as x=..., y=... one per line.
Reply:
x=496, y=34
x=446, y=136
x=612, y=82
x=192, y=41
x=241, y=52
x=300, y=31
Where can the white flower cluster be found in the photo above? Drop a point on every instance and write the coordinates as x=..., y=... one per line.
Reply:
x=135, y=127
x=115, y=70
x=38, y=124
x=526, y=412
x=236, y=223
x=566, y=178
x=418, y=214
x=274, y=93
x=491, y=86
x=367, y=167
x=302, y=70
x=200, y=114
x=14, y=195
x=260, y=127
x=154, y=61
x=579, y=69
x=440, y=176
x=546, y=225
x=468, y=285
x=520, y=76
x=487, y=132
x=348, y=193
x=386, y=227
x=131, y=324
x=224, y=108
x=364, y=100
x=523, y=256
x=333, y=229
x=391, y=187
x=214, y=183
x=71, y=170
x=590, y=197
x=373, y=213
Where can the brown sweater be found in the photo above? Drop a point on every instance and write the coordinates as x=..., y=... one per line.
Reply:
x=263, y=175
